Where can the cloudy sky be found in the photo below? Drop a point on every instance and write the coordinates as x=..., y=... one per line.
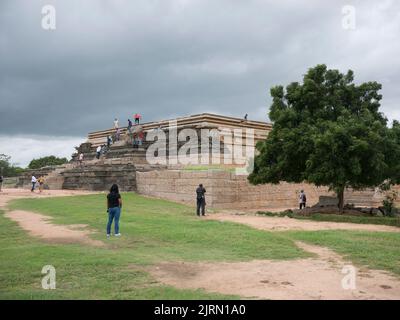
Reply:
x=167, y=58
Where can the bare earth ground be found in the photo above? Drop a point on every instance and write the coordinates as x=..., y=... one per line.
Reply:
x=285, y=224
x=319, y=277
x=306, y=279
x=41, y=226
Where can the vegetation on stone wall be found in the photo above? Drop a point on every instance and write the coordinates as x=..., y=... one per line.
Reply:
x=329, y=131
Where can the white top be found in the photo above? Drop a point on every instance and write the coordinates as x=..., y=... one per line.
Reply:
x=81, y=156
x=34, y=179
x=98, y=149
x=116, y=124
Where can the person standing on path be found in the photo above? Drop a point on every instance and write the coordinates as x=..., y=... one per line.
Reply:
x=302, y=200
x=114, y=205
x=33, y=180
x=1, y=183
x=201, y=200
x=41, y=183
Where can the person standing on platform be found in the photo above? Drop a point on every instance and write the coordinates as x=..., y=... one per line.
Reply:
x=129, y=125
x=137, y=118
x=80, y=159
x=118, y=134
x=98, y=152
x=116, y=124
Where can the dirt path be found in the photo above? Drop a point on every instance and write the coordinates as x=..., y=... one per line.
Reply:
x=285, y=224
x=313, y=278
x=40, y=225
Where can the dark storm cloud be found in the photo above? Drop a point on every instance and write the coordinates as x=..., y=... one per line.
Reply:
x=174, y=58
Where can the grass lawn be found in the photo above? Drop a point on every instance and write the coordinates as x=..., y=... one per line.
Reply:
x=153, y=231
x=376, y=250
x=389, y=221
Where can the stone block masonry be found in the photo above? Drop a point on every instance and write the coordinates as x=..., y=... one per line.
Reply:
x=225, y=190
x=100, y=177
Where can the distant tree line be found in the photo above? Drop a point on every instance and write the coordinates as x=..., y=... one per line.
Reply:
x=46, y=161
x=8, y=169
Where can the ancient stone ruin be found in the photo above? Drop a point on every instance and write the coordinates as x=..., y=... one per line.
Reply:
x=175, y=156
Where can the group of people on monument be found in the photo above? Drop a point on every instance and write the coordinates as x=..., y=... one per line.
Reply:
x=134, y=131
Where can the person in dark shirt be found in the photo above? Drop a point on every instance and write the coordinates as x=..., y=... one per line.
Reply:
x=201, y=200
x=114, y=205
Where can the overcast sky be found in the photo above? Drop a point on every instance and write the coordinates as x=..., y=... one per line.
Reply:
x=166, y=58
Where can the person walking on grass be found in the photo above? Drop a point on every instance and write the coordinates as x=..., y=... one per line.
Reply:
x=33, y=180
x=201, y=200
x=302, y=200
x=114, y=206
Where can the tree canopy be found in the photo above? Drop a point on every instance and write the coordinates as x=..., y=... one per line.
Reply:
x=46, y=161
x=7, y=169
x=328, y=131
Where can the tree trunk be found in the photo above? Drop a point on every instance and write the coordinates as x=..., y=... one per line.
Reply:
x=340, y=194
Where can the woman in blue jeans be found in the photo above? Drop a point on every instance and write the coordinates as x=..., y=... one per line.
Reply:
x=114, y=205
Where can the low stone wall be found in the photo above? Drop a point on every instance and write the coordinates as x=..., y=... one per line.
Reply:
x=225, y=190
x=10, y=182
x=100, y=177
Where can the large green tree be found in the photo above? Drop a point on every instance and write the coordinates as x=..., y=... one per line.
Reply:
x=328, y=131
x=46, y=161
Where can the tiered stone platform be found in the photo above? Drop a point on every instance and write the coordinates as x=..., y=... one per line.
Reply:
x=129, y=168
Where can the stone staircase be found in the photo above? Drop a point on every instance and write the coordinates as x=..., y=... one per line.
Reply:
x=54, y=180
